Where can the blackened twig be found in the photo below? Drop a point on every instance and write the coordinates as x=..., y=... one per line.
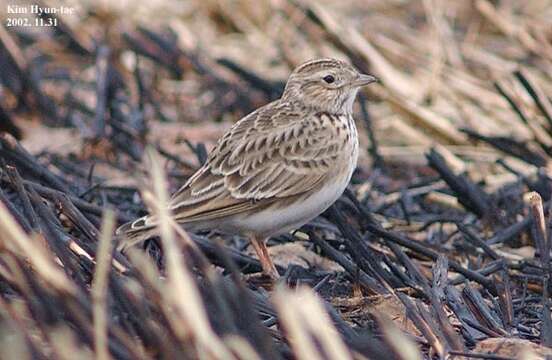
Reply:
x=511, y=147
x=272, y=89
x=432, y=254
x=477, y=241
x=537, y=94
x=347, y=264
x=469, y=194
x=374, y=148
x=102, y=84
x=15, y=154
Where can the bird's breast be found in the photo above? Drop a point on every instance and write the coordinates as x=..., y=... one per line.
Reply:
x=350, y=144
x=291, y=213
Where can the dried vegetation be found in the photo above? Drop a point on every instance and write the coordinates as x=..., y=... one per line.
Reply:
x=439, y=249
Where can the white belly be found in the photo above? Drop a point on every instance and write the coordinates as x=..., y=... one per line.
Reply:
x=281, y=220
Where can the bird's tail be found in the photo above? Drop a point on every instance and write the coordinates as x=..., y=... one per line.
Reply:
x=135, y=232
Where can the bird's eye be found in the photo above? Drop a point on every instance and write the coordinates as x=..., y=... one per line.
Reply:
x=329, y=79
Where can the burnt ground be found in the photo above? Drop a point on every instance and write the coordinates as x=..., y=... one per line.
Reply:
x=439, y=248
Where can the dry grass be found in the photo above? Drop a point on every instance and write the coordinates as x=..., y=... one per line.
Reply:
x=469, y=79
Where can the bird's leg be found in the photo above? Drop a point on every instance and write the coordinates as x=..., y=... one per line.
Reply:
x=266, y=262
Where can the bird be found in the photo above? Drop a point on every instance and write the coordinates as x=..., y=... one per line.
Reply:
x=275, y=169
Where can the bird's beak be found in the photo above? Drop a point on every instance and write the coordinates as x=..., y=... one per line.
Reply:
x=364, y=79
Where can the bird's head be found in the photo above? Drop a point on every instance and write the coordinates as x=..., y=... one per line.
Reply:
x=326, y=85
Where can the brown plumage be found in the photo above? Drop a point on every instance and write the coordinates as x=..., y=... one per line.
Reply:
x=278, y=167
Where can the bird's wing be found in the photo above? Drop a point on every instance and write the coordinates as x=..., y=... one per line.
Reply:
x=273, y=153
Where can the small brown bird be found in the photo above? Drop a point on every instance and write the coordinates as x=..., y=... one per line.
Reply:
x=278, y=167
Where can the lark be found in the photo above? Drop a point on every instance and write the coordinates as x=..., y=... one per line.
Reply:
x=278, y=167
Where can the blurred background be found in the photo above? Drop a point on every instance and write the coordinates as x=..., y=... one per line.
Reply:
x=452, y=72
